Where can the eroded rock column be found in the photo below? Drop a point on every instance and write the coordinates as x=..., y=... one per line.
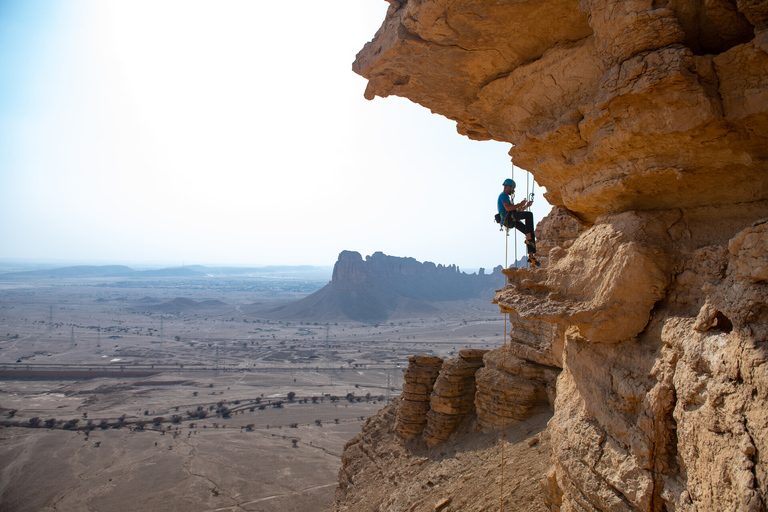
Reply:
x=453, y=395
x=419, y=379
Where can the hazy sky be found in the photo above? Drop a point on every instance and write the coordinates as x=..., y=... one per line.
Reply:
x=227, y=132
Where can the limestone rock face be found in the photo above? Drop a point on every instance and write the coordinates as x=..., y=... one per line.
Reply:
x=509, y=388
x=606, y=284
x=647, y=122
x=419, y=379
x=557, y=229
x=453, y=395
x=677, y=88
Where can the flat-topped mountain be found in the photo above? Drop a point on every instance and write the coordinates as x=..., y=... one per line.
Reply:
x=378, y=287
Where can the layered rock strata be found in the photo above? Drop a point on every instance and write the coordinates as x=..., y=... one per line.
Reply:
x=509, y=388
x=648, y=122
x=419, y=380
x=453, y=395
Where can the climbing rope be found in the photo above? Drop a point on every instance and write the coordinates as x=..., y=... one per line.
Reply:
x=504, y=395
x=504, y=366
x=528, y=194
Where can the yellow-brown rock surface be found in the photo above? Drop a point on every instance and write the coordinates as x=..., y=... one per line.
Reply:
x=419, y=379
x=453, y=395
x=646, y=120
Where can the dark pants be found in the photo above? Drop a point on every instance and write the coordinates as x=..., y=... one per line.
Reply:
x=513, y=220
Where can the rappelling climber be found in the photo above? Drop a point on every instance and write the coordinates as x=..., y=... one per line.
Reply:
x=514, y=216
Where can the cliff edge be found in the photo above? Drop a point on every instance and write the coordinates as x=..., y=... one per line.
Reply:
x=647, y=331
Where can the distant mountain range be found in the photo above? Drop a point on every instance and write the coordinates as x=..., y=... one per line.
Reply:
x=122, y=271
x=371, y=290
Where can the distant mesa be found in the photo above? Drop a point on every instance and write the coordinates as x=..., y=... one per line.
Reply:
x=381, y=287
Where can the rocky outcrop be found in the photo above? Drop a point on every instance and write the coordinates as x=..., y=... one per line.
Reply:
x=418, y=381
x=647, y=121
x=453, y=395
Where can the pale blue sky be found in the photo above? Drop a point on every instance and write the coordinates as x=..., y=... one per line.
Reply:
x=230, y=132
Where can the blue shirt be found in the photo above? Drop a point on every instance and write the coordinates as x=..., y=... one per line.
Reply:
x=503, y=198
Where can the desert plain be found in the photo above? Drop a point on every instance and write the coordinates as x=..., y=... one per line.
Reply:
x=188, y=394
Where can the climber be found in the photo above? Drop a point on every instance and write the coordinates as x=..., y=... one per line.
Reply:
x=510, y=216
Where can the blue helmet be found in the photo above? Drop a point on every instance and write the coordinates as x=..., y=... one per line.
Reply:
x=510, y=182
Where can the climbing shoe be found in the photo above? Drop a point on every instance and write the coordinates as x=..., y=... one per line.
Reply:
x=531, y=246
x=532, y=261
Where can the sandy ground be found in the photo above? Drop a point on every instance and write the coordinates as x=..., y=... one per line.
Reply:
x=188, y=359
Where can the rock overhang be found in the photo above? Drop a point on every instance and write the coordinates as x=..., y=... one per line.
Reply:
x=612, y=107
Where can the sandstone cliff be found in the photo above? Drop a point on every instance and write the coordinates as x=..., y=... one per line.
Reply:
x=647, y=122
x=373, y=289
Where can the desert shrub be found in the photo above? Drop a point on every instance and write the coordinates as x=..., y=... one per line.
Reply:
x=50, y=423
x=35, y=422
x=291, y=396
x=71, y=423
x=176, y=418
x=157, y=420
x=104, y=424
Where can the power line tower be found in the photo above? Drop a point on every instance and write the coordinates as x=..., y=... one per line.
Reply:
x=72, y=338
x=98, y=336
x=217, y=360
x=161, y=329
x=50, y=318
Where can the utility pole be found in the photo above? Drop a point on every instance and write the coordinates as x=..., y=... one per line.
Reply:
x=50, y=319
x=161, y=329
x=98, y=337
x=72, y=338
